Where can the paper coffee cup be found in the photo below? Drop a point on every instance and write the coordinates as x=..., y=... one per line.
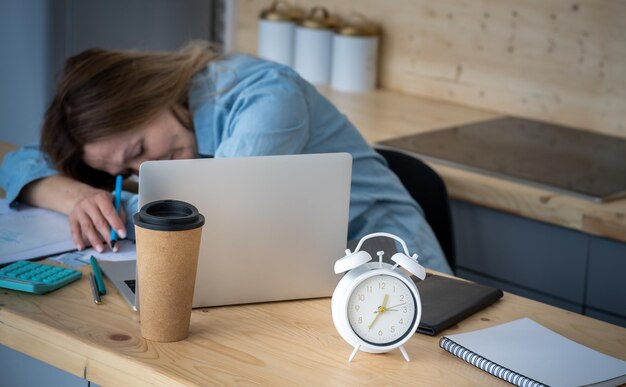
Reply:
x=167, y=234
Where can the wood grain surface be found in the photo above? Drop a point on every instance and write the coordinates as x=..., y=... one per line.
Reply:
x=560, y=61
x=281, y=343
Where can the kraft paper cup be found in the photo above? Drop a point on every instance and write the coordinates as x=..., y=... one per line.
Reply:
x=167, y=235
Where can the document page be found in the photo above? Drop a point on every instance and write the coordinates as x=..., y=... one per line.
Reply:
x=33, y=233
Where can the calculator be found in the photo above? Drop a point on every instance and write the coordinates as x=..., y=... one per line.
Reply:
x=36, y=277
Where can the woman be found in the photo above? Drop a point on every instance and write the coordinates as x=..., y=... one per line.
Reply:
x=114, y=110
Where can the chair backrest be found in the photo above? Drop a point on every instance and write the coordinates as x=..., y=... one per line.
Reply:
x=429, y=191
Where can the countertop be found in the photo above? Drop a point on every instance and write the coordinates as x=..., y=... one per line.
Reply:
x=382, y=115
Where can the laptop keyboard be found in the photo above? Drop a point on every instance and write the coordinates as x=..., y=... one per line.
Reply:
x=130, y=284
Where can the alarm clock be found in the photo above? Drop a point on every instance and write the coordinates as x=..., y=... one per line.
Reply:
x=376, y=307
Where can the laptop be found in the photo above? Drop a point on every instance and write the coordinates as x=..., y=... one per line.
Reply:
x=274, y=227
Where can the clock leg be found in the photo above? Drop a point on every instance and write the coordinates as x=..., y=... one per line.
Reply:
x=404, y=353
x=356, y=349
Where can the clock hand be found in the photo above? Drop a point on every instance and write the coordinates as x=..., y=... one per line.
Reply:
x=381, y=310
x=392, y=308
x=395, y=306
x=385, y=299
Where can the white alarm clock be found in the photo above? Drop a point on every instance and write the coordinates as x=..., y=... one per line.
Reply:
x=376, y=307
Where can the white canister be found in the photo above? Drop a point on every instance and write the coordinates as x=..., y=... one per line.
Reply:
x=276, y=33
x=355, y=57
x=313, y=46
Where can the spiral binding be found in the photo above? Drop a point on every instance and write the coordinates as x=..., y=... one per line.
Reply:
x=487, y=365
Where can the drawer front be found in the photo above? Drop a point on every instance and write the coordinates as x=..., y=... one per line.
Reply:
x=523, y=292
x=606, y=286
x=610, y=318
x=532, y=255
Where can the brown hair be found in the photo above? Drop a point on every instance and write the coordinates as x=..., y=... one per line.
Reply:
x=103, y=93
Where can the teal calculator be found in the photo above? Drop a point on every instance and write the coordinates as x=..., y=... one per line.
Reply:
x=36, y=277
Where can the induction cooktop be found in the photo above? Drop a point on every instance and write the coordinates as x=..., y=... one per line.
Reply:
x=581, y=163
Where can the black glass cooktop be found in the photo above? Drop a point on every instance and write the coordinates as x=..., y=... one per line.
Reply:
x=555, y=157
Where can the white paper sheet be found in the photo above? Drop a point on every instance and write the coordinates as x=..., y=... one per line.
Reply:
x=126, y=252
x=32, y=233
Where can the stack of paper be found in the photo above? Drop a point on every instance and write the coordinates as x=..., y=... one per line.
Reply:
x=33, y=233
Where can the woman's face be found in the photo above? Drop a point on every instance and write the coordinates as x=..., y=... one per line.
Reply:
x=164, y=138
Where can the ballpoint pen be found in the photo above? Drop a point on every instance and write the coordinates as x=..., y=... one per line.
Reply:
x=94, y=289
x=118, y=194
x=98, y=275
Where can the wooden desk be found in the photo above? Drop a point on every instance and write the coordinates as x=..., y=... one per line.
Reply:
x=276, y=343
x=283, y=343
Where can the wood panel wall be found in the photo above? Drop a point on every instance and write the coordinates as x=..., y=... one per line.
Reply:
x=561, y=61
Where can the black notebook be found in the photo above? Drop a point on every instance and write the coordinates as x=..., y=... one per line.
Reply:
x=447, y=301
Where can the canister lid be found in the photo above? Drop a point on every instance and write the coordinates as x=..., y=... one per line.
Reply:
x=281, y=11
x=320, y=18
x=357, y=25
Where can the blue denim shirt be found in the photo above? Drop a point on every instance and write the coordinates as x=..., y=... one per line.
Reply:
x=244, y=106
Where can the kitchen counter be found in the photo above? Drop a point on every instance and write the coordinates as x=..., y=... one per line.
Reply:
x=382, y=115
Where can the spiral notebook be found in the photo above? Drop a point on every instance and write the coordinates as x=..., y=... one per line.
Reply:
x=525, y=353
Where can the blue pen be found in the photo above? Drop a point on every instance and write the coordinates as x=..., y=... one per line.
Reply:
x=118, y=197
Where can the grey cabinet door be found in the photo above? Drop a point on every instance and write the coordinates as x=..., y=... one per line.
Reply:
x=527, y=254
x=19, y=370
x=606, y=283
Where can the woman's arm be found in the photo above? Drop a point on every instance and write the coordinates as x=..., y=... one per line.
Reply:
x=57, y=192
x=22, y=167
x=90, y=210
x=27, y=175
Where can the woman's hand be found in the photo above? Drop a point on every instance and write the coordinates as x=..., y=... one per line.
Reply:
x=93, y=216
x=90, y=210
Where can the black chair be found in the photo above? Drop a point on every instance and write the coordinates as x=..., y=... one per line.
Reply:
x=429, y=191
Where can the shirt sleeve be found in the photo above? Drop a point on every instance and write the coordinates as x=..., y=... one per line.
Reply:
x=270, y=117
x=28, y=164
x=22, y=167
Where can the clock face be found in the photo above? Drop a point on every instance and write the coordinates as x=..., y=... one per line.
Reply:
x=382, y=310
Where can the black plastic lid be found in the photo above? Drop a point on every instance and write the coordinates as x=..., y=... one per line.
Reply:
x=168, y=215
